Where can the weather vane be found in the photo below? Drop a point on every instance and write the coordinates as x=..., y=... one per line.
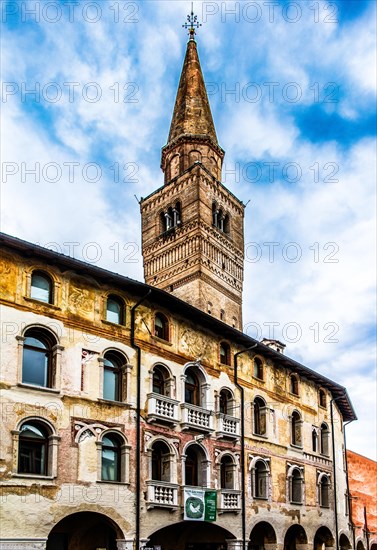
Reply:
x=192, y=23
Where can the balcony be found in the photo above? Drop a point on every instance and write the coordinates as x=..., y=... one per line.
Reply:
x=196, y=418
x=228, y=427
x=162, y=494
x=162, y=408
x=230, y=501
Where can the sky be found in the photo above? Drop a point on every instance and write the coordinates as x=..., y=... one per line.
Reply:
x=88, y=90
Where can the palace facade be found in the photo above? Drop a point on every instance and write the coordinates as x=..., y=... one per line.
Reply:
x=138, y=415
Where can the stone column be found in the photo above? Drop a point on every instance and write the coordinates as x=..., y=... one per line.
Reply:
x=303, y=547
x=272, y=546
x=23, y=544
x=125, y=544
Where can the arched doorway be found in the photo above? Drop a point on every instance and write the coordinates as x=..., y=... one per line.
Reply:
x=344, y=543
x=323, y=539
x=84, y=531
x=263, y=533
x=360, y=545
x=294, y=536
x=191, y=535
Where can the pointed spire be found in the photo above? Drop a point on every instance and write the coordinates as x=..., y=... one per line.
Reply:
x=192, y=112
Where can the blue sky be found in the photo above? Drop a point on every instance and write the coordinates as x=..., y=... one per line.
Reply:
x=292, y=91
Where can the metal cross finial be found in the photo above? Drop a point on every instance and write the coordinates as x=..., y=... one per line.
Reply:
x=192, y=23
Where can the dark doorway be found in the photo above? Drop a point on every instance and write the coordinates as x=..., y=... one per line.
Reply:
x=84, y=531
x=191, y=535
x=295, y=535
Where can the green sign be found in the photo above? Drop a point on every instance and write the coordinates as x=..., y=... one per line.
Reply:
x=210, y=505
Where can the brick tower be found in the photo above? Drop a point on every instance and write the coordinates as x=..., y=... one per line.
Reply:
x=192, y=227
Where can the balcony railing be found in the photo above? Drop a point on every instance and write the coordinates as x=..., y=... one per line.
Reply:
x=230, y=501
x=228, y=427
x=162, y=494
x=196, y=418
x=162, y=408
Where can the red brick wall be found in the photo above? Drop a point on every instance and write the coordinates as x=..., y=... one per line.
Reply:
x=362, y=475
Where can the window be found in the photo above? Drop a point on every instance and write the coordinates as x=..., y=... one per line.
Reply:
x=220, y=220
x=314, y=440
x=160, y=462
x=226, y=402
x=196, y=467
x=322, y=398
x=324, y=439
x=38, y=358
x=33, y=449
x=296, y=486
x=324, y=491
x=171, y=218
x=111, y=458
x=259, y=413
x=160, y=380
x=296, y=429
x=161, y=326
x=113, y=363
x=294, y=384
x=41, y=287
x=260, y=481
x=224, y=353
x=227, y=468
x=192, y=388
x=258, y=368
x=115, y=310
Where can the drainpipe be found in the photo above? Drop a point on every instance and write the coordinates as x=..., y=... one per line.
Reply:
x=334, y=469
x=138, y=426
x=349, y=497
x=243, y=496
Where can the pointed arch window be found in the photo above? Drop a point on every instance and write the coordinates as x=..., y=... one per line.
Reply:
x=33, y=448
x=260, y=481
x=258, y=368
x=294, y=384
x=324, y=434
x=296, y=432
x=296, y=486
x=322, y=398
x=314, y=440
x=111, y=458
x=161, y=327
x=38, y=358
x=192, y=394
x=259, y=413
x=115, y=310
x=113, y=364
x=226, y=402
x=227, y=471
x=324, y=491
x=41, y=287
x=224, y=353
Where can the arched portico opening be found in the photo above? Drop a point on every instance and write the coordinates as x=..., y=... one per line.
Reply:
x=262, y=535
x=294, y=537
x=84, y=531
x=323, y=539
x=191, y=535
x=344, y=543
x=360, y=545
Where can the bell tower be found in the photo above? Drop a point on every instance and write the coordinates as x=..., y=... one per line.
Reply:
x=192, y=226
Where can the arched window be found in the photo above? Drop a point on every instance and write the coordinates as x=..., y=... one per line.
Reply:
x=226, y=402
x=324, y=439
x=296, y=429
x=324, y=491
x=111, y=458
x=33, y=448
x=294, y=384
x=160, y=379
x=38, y=358
x=260, y=485
x=41, y=287
x=115, y=310
x=224, y=353
x=296, y=486
x=113, y=363
x=161, y=326
x=322, y=398
x=160, y=462
x=227, y=468
x=314, y=440
x=192, y=394
x=195, y=466
x=259, y=412
x=258, y=368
